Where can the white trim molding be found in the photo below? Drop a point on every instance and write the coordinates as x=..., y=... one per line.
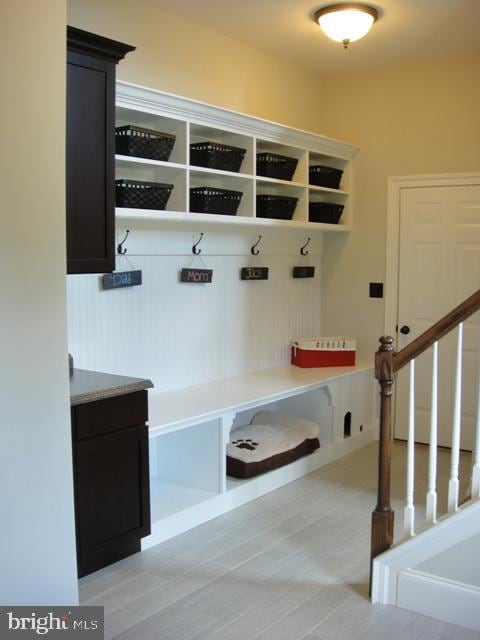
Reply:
x=153, y=101
x=394, y=191
x=389, y=566
x=439, y=598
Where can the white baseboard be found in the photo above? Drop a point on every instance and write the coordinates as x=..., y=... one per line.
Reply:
x=182, y=521
x=439, y=598
x=449, y=531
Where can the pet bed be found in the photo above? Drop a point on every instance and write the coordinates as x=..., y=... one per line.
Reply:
x=272, y=440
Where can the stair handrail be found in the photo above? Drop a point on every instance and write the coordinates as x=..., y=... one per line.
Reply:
x=436, y=331
x=387, y=364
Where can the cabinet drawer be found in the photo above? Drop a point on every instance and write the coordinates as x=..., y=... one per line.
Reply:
x=106, y=416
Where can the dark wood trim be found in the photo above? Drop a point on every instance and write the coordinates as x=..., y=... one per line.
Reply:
x=383, y=515
x=387, y=363
x=94, y=45
x=436, y=331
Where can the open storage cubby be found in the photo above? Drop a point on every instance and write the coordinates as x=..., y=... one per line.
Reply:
x=190, y=428
x=184, y=469
x=300, y=155
x=195, y=122
x=228, y=182
x=201, y=133
x=157, y=122
x=283, y=189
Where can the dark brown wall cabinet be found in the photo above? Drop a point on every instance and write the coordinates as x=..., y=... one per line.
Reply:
x=111, y=479
x=91, y=61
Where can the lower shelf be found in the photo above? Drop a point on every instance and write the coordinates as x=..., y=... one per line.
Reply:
x=186, y=508
x=167, y=498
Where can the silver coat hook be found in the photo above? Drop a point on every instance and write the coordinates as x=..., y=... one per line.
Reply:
x=302, y=249
x=195, y=251
x=120, y=248
x=254, y=251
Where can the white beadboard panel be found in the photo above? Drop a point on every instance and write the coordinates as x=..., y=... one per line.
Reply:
x=181, y=334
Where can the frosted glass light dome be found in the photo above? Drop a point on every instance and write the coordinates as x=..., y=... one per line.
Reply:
x=346, y=22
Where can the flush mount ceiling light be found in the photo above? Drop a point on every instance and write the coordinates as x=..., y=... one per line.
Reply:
x=346, y=22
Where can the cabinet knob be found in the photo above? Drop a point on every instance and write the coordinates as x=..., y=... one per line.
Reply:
x=405, y=329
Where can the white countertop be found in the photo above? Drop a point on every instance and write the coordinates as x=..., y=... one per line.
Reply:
x=170, y=410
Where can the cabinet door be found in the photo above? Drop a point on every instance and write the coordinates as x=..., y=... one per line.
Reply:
x=90, y=164
x=112, y=497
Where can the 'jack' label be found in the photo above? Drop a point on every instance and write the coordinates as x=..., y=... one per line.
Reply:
x=254, y=273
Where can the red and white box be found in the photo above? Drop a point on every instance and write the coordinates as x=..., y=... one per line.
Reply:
x=323, y=352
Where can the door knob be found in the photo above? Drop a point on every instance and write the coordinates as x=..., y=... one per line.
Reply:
x=405, y=329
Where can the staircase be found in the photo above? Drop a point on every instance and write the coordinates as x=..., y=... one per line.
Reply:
x=433, y=569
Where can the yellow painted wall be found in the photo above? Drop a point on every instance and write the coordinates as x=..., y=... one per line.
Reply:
x=414, y=119
x=180, y=57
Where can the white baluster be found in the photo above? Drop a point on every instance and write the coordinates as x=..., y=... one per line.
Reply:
x=432, y=451
x=409, y=512
x=476, y=447
x=453, y=484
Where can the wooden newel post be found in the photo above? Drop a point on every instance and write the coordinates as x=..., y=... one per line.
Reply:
x=382, y=516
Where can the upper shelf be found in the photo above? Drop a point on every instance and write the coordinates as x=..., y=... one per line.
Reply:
x=195, y=122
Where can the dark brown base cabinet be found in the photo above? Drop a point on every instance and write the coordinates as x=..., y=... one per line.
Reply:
x=111, y=479
x=90, y=185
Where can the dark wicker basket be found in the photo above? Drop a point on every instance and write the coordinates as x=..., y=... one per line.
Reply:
x=276, y=207
x=216, y=156
x=271, y=165
x=143, y=143
x=142, y=195
x=212, y=200
x=325, y=212
x=325, y=176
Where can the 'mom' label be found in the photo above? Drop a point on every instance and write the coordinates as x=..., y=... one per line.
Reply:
x=122, y=279
x=196, y=276
x=254, y=273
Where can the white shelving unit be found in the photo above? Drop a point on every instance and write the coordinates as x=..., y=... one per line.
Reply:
x=189, y=429
x=191, y=121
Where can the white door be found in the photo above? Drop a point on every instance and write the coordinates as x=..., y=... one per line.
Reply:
x=439, y=266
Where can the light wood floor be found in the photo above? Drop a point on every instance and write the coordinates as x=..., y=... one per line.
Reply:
x=292, y=565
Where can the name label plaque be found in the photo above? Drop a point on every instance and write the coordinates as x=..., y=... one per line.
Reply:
x=122, y=279
x=254, y=273
x=196, y=276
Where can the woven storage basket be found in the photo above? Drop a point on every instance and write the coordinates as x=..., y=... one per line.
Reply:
x=325, y=176
x=272, y=165
x=276, y=207
x=143, y=143
x=216, y=156
x=142, y=195
x=212, y=200
x=325, y=212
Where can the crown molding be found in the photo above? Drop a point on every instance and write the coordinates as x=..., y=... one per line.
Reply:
x=166, y=104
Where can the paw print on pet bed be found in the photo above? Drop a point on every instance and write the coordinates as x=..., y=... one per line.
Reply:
x=270, y=433
x=252, y=443
x=245, y=444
